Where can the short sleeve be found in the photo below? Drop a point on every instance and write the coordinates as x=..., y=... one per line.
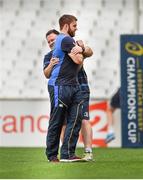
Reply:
x=67, y=44
x=47, y=59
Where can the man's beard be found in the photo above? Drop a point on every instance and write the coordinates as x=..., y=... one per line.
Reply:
x=71, y=33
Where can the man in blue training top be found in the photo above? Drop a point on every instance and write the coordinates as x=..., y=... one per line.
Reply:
x=49, y=62
x=65, y=94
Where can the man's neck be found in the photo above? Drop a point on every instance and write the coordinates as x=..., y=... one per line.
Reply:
x=64, y=32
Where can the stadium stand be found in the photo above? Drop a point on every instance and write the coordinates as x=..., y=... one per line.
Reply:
x=23, y=25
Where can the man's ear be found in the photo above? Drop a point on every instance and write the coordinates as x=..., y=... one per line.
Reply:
x=66, y=27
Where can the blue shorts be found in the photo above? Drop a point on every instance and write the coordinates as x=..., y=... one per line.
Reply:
x=85, y=108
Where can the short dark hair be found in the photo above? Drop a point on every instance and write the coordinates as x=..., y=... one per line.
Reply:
x=66, y=19
x=52, y=31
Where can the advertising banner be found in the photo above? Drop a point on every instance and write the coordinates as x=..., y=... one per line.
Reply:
x=25, y=123
x=132, y=90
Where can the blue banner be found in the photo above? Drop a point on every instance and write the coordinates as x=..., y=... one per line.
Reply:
x=132, y=90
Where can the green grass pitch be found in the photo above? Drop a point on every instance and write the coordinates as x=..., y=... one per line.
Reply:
x=28, y=163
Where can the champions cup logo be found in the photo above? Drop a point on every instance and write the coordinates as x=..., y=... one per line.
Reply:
x=134, y=48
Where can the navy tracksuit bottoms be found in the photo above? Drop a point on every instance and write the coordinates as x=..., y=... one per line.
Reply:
x=66, y=102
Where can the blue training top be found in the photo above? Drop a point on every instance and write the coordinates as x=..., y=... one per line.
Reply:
x=82, y=77
x=65, y=72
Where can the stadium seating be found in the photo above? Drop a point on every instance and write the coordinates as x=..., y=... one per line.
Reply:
x=24, y=23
